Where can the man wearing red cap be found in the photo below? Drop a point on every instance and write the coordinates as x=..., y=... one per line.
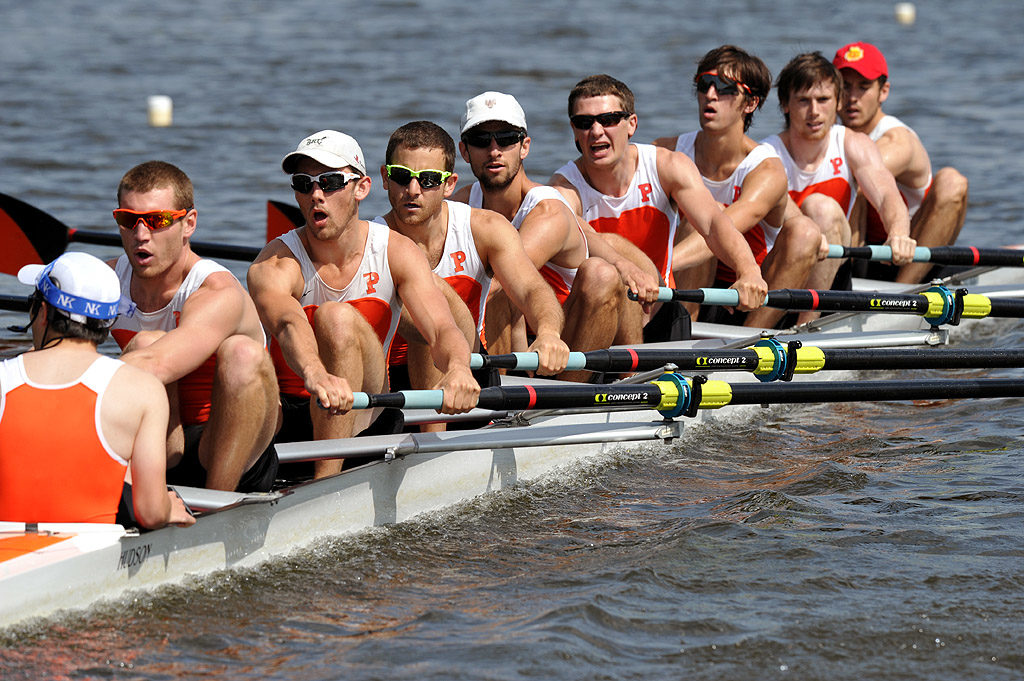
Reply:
x=937, y=204
x=826, y=164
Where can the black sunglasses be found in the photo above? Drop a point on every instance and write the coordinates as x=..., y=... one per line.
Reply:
x=428, y=179
x=329, y=182
x=723, y=86
x=482, y=139
x=607, y=119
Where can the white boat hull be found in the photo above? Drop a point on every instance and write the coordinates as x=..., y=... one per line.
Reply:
x=429, y=472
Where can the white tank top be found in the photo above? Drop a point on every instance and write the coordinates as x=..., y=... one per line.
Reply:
x=832, y=177
x=550, y=271
x=761, y=237
x=644, y=214
x=913, y=196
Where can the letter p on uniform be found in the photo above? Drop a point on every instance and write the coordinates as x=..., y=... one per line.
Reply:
x=459, y=257
x=371, y=279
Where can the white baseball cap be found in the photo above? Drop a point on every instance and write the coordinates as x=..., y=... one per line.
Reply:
x=332, y=148
x=77, y=283
x=493, y=106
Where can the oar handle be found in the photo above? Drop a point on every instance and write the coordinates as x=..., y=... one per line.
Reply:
x=941, y=255
x=705, y=296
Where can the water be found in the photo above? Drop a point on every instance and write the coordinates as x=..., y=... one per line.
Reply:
x=847, y=541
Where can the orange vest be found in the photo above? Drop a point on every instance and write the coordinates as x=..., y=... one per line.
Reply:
x=55, y=465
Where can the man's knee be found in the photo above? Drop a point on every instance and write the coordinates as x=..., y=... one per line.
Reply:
x=949, y=186
x=240, y=359
x=828, y=215
x=337, y=323
x=597, y=278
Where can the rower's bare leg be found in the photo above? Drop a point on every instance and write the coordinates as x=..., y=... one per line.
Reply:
x=631, y=251
x=697, y=275
x=592, y=311
x=500, y=318
x=243, y=412
x=788, y=265
x=349, y=348
x=831, y=220
x=938, y=221
x=423, y=374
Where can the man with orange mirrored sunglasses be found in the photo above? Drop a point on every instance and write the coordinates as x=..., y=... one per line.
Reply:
x=189, y=322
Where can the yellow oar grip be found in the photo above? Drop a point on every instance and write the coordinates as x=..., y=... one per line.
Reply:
x=715, y=394
x=669, y=395
x=765, y=360
x=936, y=304
x=976, y=306
x=809, y=360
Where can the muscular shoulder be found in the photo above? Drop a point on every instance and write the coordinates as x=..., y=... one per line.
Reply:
x=461, y=194
x=667, y=142
x=676, y=170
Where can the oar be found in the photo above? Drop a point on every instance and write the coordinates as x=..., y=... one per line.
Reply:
x=940, y=255
x=31, y=235
x=765, y=358
x=938, y=304
x=675, y=395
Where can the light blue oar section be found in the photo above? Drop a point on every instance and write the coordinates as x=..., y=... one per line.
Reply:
x=529, y=361
x=414, y=399
x=712, y=296
x=882, y=253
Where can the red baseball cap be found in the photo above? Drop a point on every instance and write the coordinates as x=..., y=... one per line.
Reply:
x=864, y=58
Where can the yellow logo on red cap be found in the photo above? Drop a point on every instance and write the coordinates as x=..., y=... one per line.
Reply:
x=854, y=53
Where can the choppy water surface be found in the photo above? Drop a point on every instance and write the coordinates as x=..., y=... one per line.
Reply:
x=847, y=541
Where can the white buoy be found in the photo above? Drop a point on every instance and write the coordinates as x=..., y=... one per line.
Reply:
x=906, y=13
x=161, y=111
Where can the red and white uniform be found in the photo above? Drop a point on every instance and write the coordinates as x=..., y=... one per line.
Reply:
x=833, y=176
x=461, y=266
x=195, y=389
x=371, y=291
x=761, y=237
x=645, y=214
x=63, y=471
x=912, y=196
x=559, y=278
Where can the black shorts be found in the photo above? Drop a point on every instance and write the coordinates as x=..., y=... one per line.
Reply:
x=670, y=323
x=189, y=472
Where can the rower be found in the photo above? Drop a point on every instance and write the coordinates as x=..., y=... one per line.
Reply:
x=72, y=421
x=592, y=291
x=634, y=192
x=190, y=323
x=331, y=293
x=464, y=246
x=937, y=205
x=748, y=179
x=827, y=163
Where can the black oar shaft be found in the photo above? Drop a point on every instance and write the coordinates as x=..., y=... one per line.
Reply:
x=526, y=397
x=846, y=301
x=875, y=391
x=858, y=359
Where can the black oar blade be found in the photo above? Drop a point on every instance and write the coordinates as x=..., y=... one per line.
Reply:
x=281, y=218
x=28, y=234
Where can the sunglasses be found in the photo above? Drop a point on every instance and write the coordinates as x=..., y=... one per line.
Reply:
x=723, y=86
x=154, y=219
x=428, y=179
x=329, y=182
x=607, y=119
x=482, y=139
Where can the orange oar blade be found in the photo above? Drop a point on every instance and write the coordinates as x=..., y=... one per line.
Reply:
x=281, y=218
x=28, y=234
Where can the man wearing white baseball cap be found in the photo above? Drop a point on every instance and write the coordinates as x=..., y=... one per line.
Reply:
x=331, y=293
x=591, y=290
x=72, y=421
